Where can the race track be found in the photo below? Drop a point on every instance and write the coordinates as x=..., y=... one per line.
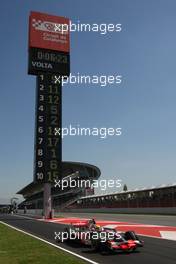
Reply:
x=166, y=220
x=155, y=251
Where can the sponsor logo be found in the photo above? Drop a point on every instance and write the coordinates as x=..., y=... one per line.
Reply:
x=49, y=26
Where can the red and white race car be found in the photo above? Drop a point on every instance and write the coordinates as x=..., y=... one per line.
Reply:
x=104, y=239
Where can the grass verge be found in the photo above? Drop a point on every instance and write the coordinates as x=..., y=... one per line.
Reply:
x=18, y=248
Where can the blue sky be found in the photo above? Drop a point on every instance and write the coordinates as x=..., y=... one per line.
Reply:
x=144, y=53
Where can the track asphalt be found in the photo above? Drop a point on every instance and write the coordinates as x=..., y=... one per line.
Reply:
x=155, y=251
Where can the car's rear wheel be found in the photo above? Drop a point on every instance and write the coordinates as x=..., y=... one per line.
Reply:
x=131, y=235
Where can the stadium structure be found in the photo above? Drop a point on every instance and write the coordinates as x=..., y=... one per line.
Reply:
x=76, y=172
x=81, y=198
x=156, y=199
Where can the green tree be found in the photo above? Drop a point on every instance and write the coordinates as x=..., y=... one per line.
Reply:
x=125, y=188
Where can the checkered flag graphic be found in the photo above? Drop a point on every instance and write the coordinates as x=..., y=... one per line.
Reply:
x=37, y=24
x=49, y=26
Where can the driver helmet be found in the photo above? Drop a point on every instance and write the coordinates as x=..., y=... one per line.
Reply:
x=97, y=227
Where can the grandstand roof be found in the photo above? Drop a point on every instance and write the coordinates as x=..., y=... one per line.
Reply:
x=163, y=186
x=68, y=168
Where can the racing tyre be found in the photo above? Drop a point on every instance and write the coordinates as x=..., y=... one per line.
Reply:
x=131, y=235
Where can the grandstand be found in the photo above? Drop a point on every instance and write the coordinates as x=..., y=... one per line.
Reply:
x=33, y=192
x=163, y=196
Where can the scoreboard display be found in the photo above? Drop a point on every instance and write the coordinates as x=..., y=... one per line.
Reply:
x=48, y=145
x=49, y=59
x=49, y=44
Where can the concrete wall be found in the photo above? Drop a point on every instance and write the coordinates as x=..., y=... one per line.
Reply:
x=154, y=210
x=32, y=212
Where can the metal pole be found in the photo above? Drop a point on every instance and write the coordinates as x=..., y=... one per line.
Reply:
x=47, y=200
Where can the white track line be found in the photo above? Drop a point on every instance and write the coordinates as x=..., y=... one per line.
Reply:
x=49, y=243
x=24, y=216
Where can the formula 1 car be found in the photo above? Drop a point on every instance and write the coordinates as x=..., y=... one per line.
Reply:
x=103, y=239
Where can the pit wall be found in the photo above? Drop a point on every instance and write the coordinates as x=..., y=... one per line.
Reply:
x=153, y=210
x=32, y=212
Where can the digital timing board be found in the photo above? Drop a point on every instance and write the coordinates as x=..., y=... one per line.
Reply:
x=49, y=44
x=48, y=145
x=49, y=60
